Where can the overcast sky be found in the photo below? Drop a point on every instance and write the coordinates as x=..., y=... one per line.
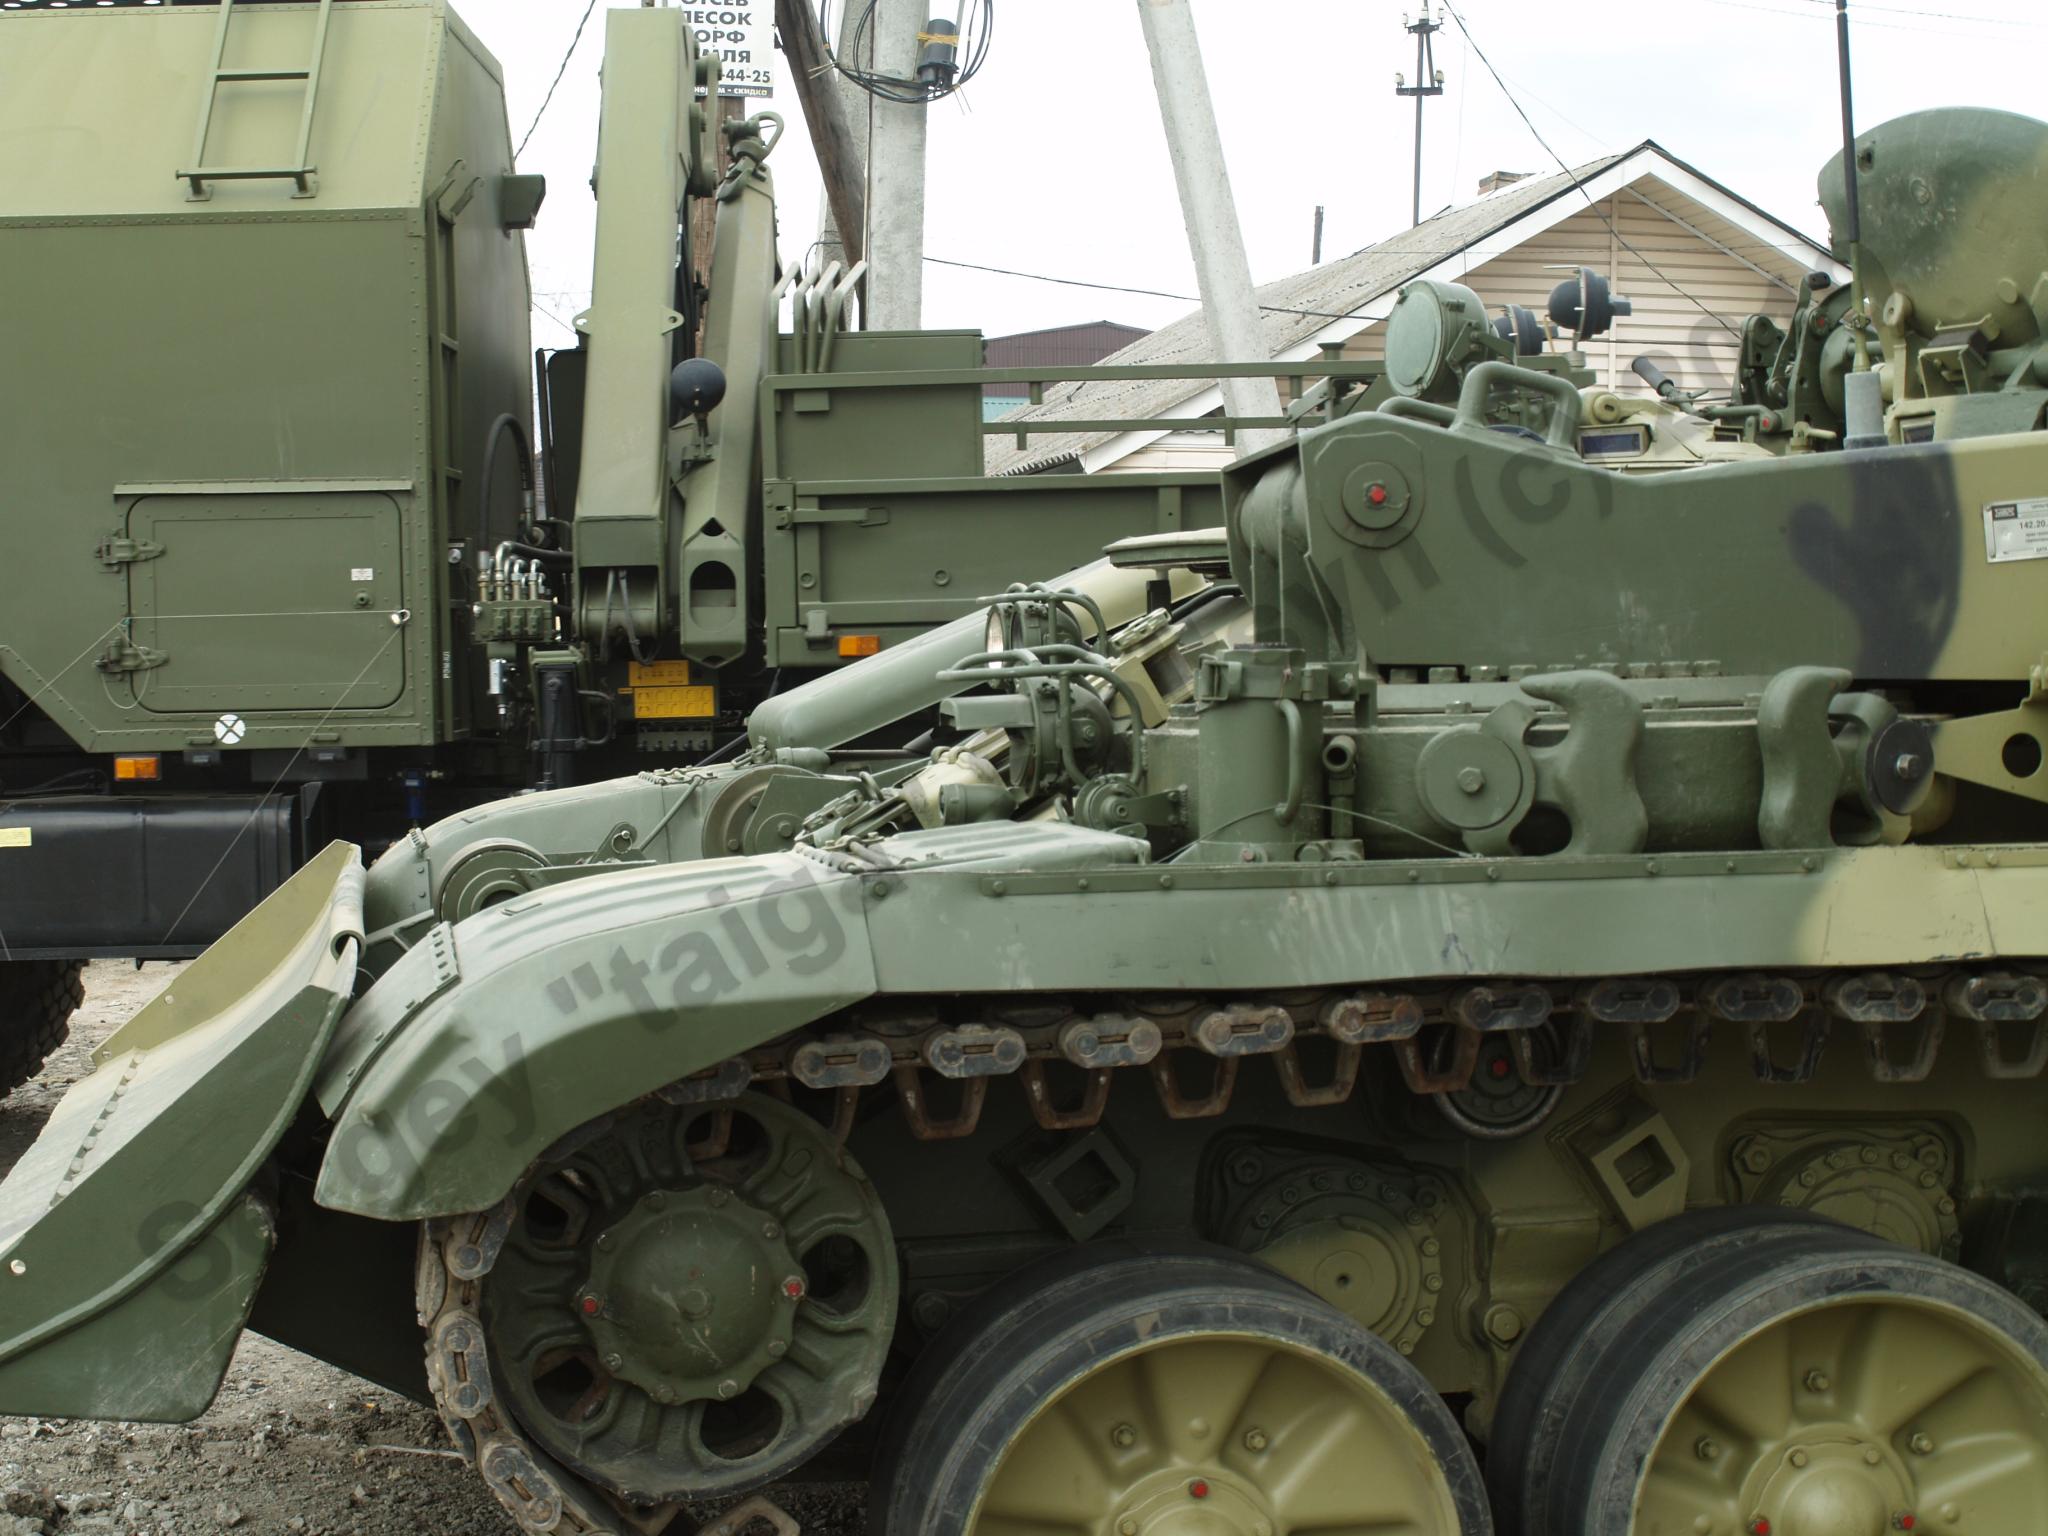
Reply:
x=1052, y=161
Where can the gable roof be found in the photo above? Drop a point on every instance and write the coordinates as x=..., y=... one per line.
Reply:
x=1334, y=301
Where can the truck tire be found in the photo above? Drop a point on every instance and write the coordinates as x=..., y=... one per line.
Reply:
x=37, y=999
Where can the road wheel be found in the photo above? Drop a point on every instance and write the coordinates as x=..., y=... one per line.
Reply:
x=37, y=999
x=1553, y=1364
x=1133, y=1393
x=680, y=1302
x=1817, y=1386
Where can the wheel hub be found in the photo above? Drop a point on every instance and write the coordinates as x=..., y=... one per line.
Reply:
x=1180, y=1502
x=692, y=1294
x=1833, y=1481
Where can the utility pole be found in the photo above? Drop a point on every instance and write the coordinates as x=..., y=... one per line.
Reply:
x=1429, y=81
x=1214, y=237
x=895, y=286
x=1315, y=255
x=840, y=145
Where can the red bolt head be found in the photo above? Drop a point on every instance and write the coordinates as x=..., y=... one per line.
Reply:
x=1199, y=1488
x=1759, y=1527
x=794, y=1287
x=1498, y=1066
x=1904, y=1521
x=591, y=1305
x=1376, y=494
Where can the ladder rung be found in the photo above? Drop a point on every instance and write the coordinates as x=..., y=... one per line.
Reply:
x=264, y=74
x=246, y=174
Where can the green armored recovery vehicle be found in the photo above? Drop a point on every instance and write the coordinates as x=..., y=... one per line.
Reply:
x=281, y=564
x=1511, y=997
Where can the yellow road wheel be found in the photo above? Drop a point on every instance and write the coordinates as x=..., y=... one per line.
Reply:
x=1171, y=1394
x=1556, y=1361
x=1814, y=1388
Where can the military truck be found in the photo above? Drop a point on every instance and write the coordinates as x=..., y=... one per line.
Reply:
x=283, y=565
x=1512, y=998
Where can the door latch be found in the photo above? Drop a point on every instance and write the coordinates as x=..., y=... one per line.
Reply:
x=117, y=550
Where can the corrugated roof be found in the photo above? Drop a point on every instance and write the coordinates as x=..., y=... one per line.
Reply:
x=1296, y=308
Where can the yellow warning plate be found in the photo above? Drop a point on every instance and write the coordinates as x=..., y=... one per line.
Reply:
x=693, y=703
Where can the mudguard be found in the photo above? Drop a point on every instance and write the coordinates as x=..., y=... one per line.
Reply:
x=493, y=1038
x=131, y=1240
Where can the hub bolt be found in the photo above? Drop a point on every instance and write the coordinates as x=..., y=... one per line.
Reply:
x=770, y=1231
x=794, y=1287
x=1872, y=1456
x=1127, y=1527
x=614, y=1362
x=1255, y=1440
x=1123, y=1436
x=1471, y=780
x=1904, y=1521
x=1920, y=1444
x=1706, y=1448
x=1817, y=1381
x=728, y=1389
x=590, y=1304
x=1199, y=1488
x=1799, y=1458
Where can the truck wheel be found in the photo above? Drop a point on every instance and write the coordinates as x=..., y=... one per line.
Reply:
x=37, y=999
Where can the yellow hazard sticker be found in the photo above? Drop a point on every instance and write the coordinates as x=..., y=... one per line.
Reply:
x=693, y=703
x=658, y=674
x=17, y=837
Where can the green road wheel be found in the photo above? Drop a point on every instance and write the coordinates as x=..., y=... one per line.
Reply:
x=686, y=1302
x=1187, y=1394
x=1819, y=1387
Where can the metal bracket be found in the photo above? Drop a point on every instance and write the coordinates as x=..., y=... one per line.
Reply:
x=124, y=655
x=117, y=550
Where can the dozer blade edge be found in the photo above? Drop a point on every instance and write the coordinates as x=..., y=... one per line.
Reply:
x=131, y=1239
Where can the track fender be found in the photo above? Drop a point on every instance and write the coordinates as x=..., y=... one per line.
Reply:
x=495, y=1038
x=134, y=1232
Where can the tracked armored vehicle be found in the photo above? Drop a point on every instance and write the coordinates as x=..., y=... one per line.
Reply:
x=1533, y=1022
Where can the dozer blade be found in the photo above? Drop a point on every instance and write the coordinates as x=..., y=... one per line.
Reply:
x=131, y=1241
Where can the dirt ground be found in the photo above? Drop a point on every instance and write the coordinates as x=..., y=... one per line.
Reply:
x=290, y=1445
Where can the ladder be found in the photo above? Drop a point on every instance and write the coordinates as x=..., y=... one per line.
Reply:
x=299, y=172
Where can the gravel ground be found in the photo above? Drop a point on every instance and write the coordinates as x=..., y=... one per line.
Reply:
x=291, y=1445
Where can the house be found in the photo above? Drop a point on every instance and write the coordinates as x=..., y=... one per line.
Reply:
x=1694, y=257
x=1058, y=347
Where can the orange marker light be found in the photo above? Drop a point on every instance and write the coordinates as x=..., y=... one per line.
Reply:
x=859, y=645
x=145, y=767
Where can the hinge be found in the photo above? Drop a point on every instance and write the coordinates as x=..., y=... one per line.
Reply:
x=117, y=549
x=124, y=655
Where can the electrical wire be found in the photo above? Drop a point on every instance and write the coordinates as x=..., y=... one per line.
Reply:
x=1151, y=293
x=559, y=72
x=972, y=41
x=1619, y=238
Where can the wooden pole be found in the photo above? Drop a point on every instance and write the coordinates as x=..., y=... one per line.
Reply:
x=824, y=108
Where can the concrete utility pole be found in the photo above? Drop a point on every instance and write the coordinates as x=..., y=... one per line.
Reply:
x=1429, y=81
x=895, y=286
x=1214, y=238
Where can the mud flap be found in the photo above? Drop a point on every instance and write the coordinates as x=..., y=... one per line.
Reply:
x=131, y=1239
